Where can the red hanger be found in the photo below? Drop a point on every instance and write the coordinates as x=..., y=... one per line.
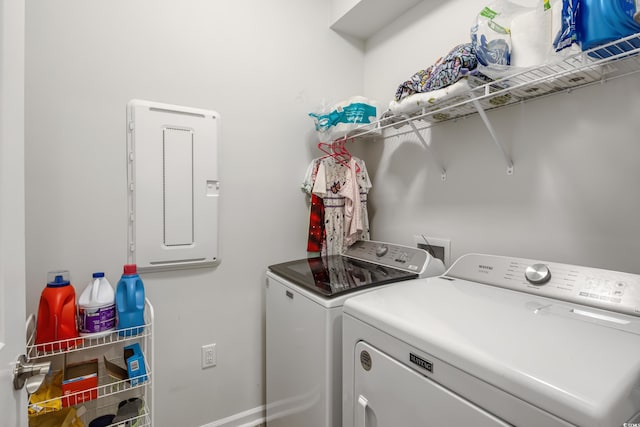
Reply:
x=338, y=151
x=328, y=149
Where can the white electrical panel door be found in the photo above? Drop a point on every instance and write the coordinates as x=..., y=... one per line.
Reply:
x=173, y=185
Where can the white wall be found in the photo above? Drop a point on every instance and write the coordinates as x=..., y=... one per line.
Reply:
x=574, y=194
x=12, y=207
x=263, y=66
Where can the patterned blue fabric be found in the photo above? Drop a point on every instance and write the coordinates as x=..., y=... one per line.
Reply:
x=459, y=62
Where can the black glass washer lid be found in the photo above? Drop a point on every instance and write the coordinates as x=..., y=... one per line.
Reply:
x=335, y=275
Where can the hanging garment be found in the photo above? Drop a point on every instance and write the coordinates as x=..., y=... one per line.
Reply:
x=352, y=209
x=316, y=211
x=331, y=178
x=316, y=225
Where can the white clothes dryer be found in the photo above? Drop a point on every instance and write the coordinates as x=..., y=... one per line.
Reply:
x=495, y=341
x=304, y=300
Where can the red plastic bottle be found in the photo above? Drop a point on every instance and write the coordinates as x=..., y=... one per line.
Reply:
x=56, y=323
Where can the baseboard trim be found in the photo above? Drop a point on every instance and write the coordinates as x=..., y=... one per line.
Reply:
x=249, y=418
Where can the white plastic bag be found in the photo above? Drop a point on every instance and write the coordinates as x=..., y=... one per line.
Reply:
x=343, y=117
x=511, y=36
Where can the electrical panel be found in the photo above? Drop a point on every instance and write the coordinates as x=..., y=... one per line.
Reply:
x=173, y=185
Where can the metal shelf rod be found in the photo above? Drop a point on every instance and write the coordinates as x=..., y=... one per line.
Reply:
x=487, y=123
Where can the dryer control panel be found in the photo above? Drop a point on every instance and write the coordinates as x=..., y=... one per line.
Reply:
x=606, y=289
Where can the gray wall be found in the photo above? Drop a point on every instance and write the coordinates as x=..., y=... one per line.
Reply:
x=263, y=66
x=574, y=194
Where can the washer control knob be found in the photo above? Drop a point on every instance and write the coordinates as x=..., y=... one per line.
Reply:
x=381, y=250
x=537, y=274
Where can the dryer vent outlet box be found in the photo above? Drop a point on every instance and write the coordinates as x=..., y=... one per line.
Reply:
x=437, y=247
x=173, y=185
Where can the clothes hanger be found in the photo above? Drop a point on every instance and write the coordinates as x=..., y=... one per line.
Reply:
x=340, y=150
x=325, y=148
x=328, y=149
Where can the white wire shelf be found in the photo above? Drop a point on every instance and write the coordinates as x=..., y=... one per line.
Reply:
x=607, y=62
x=54, y=348
x=39, y=351
x=102, y=391
x=141, y=420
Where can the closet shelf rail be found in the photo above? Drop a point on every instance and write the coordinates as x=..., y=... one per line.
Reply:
x=610, y=61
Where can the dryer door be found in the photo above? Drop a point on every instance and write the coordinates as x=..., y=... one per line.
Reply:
x=390, y=394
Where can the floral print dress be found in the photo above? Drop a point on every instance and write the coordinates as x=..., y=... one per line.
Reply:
x=332, y=182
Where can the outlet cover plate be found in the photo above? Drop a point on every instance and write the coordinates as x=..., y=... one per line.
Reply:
x=209, y=356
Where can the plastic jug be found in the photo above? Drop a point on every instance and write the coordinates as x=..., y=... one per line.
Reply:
x=130, y=302
x=97, y=308
x=56, y=322
x=603, y=21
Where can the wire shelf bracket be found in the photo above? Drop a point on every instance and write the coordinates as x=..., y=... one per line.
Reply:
x=443, y=171
x=487, y=123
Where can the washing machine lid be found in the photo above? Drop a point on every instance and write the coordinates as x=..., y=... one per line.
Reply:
x=579, y=363
x=335, y=275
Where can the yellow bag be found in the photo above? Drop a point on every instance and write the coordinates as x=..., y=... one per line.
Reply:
x=66, y=417
x=47, y=397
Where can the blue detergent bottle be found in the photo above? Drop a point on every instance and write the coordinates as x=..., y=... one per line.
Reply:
x=130, y=302
x=604, y=21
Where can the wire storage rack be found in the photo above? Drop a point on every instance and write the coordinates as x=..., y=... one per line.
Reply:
x=111, y=392
x=606, y=62
x=610, y=61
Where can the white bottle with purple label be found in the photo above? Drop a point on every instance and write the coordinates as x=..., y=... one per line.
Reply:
x=97, y=308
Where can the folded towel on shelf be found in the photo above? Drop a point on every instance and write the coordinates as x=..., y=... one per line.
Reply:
x=428, y=100
x=450, y=102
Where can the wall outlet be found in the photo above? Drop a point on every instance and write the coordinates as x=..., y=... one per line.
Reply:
x=209, y=356
x=437, y=247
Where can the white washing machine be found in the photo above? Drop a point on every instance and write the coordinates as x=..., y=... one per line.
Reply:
x=495, y=341
x=304, y=300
